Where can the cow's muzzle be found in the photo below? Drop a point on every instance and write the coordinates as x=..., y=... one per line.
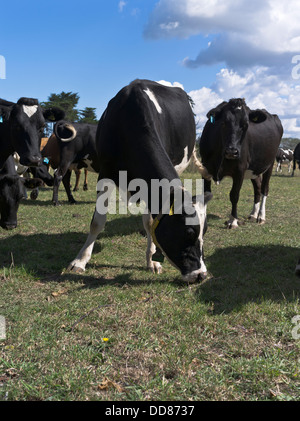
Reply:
x=195, y=276
x=31, y=161
x=232, y=153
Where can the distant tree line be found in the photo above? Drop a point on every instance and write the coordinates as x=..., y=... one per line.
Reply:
x=289, y=142
x=68, y=101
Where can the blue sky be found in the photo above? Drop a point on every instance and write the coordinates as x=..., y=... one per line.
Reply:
x=215, y=50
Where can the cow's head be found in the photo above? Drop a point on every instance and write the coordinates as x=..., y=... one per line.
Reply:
x=179, y=235
x=25, y=122
x=12, y=191
x=234, y=118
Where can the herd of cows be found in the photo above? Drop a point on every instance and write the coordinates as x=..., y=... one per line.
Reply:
x=147, y=130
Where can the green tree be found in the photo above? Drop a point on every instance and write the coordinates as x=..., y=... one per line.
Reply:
x=67, y=101
x=88, y=115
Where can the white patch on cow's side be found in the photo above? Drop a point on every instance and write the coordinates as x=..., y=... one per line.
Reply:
x=30, y=110
x=184, y=163
x=249, y=175
x=153, y=99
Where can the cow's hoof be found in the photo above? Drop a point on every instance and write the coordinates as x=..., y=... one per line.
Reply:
x=56, y=204
x=231, y=225
x=85, y=187
x=75, y=269
x=155, y=267
x=72, y=202
x=297, y=271
x=252, y=218
x=261, y=221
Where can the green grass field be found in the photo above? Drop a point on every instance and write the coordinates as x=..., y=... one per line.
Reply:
x=118, y=332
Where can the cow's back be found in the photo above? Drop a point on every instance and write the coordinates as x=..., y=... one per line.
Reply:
x=145, y=123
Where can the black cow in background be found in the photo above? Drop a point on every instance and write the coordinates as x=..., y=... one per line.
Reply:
x=71, y=147
x=284, y=155
x=21, y=127
x=296, y=159
x=12, y=191
x=241, y=143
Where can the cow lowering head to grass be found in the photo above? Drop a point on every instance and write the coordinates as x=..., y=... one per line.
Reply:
x=241, y=143
x=21, y=127
x=148, y=132
x=12, y=191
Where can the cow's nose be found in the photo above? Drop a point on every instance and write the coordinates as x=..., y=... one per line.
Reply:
x=31, y=161
x=232, y=153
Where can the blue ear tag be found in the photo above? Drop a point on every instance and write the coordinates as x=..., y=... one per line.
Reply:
x=212, y=119
x=46, y=160
x=1, y=119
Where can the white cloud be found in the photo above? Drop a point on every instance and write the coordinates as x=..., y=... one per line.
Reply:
x=259, y=89
x=122, y=4
x=254, y=40
x=242, y=33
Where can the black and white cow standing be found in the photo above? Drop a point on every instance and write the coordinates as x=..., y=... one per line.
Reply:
x=12, y=191
x=241, y=143
x=148, y=131
x=21, y=127
x=296, y=159
x=72, y=146
x=282, y=156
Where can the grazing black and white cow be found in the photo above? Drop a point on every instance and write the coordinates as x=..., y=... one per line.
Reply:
x=296, y=159
x=71, y=147
x=148, y=132
x=241, y=143
x=41, y=172
x=12, y=190
x=282, y=156
x=21, y=127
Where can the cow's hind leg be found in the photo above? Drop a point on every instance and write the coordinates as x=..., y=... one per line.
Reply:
x=155, y=267
x=66, y=182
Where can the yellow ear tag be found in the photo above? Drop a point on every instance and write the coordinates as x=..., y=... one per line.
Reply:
x=171, y=213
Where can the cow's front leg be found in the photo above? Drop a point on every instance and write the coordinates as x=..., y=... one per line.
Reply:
x=234, y=198
x=155, y=267
x=256, y=182
x=97, y=225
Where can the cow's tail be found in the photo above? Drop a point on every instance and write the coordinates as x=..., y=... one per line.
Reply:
x=203, y=171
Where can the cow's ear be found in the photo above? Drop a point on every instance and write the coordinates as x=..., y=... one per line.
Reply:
x=257, y=116
x=215, y=113
x=54, y=114
x=32, y=183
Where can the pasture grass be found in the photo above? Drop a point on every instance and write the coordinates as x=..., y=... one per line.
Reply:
x=119, y=332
